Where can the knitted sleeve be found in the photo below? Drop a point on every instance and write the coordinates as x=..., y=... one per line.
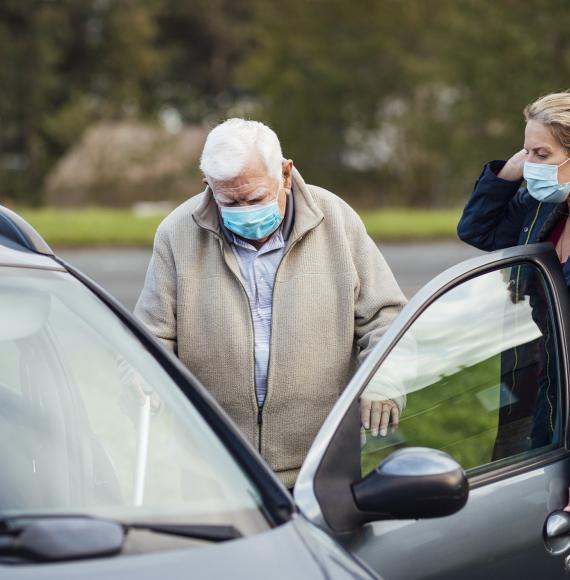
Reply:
x=156, y=306
x=378, y=300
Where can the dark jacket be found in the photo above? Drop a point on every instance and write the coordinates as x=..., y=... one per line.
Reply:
x=501, y=213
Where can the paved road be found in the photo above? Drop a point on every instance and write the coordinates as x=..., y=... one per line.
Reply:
x=121, y=271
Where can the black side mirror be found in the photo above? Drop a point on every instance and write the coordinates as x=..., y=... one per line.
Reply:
x=413, y=483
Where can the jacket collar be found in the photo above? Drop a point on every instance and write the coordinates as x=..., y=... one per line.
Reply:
x=307, y=214
x=555, y=212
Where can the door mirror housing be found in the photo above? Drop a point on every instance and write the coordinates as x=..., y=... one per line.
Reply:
x=413, y=483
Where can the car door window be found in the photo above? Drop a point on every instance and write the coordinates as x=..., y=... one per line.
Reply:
x=477, y=375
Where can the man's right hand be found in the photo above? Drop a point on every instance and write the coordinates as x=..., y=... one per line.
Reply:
x=378, y=415
x=513, y=168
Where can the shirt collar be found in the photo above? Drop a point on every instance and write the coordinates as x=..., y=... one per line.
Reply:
x=274, y=242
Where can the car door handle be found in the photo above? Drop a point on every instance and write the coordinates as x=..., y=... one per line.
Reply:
x=556, y=532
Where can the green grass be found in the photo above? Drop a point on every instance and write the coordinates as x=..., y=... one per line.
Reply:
x=108, y=227
x=92, y=227
x=450, y=415
x=458, y=414
x=411, y=224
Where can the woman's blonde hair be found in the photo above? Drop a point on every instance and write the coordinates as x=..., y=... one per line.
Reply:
x=553, y=111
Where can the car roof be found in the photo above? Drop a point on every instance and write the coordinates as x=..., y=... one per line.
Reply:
x=22, y=246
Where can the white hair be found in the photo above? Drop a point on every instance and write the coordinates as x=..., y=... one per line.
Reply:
x=234, y=143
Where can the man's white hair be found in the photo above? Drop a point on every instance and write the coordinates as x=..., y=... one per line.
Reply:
x=233, y=144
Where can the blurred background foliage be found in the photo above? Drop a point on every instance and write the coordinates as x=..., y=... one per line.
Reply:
x=386, y=102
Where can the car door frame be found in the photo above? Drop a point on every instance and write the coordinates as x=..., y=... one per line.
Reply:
x=323, y=489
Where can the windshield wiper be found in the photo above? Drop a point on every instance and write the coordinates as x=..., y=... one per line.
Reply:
x=208, y=532
x=51, y=538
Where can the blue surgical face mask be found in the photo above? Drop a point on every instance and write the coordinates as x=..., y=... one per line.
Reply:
x=252, y=222
x=542, y=182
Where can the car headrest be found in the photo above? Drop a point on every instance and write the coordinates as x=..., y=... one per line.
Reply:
x=23, y=311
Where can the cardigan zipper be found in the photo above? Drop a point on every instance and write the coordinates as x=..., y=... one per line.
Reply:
x=285, y=254
x=259, y=422
x=259, y=407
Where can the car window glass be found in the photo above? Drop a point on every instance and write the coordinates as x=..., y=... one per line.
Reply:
x=10, y=367
x=100, y=427
x=477, y=375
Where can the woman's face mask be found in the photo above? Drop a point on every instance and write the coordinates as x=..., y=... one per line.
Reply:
x=542, y=182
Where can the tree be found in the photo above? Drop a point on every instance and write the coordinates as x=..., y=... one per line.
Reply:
x=28, y=84
x=320, y=69
x=202, y=41
x=434, y=86
x=65, y=64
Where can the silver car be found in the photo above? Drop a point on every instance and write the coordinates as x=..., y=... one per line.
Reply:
x=117, y=463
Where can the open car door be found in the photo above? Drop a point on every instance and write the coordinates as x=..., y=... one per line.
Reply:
x=481, y=354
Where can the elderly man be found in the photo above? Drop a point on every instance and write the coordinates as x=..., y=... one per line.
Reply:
x=269, y=290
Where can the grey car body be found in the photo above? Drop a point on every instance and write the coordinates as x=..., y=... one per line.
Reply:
x=383, y=524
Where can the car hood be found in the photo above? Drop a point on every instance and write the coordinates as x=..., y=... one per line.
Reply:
x=296, y=549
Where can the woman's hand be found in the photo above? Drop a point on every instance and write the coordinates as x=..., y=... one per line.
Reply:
x=513, y=168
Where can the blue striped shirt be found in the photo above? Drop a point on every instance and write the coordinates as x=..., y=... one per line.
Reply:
x=258, y=269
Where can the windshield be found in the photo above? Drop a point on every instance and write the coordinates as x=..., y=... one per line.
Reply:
x=90, y=423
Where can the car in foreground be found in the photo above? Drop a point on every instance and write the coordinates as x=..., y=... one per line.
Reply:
x=117, y=463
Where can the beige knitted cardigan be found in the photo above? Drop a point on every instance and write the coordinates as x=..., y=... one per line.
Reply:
x=334, y=296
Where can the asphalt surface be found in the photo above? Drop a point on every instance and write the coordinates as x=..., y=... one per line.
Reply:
x=121, y=271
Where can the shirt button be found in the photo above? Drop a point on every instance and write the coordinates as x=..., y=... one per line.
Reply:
x=525, y=230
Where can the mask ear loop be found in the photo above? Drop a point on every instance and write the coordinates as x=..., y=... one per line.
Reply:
x=557, y=170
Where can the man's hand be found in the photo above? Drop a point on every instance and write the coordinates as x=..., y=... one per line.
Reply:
x=378, y=415
x=513, y=168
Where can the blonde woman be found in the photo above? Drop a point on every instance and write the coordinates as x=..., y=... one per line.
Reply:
x=500, y=213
